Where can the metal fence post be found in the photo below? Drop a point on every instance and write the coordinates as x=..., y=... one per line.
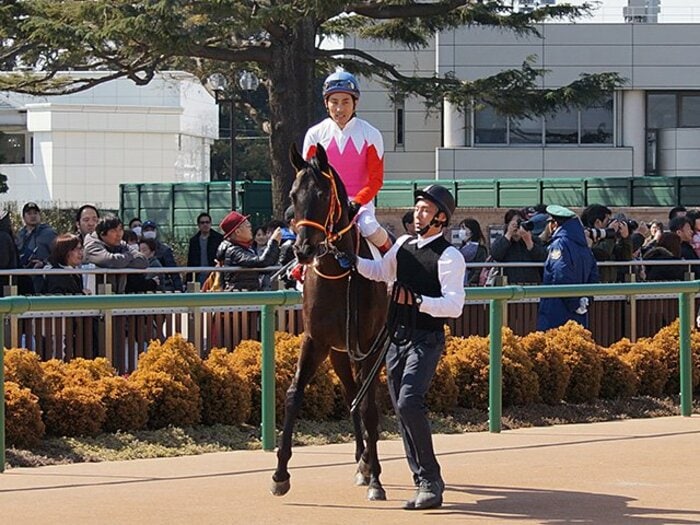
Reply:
x=2, y=393
x=685, y=312
x=495, y=368
x=267, y=329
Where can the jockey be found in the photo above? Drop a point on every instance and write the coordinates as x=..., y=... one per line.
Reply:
x=355, y=149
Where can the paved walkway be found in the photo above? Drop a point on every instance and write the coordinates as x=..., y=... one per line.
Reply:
x=636, y=471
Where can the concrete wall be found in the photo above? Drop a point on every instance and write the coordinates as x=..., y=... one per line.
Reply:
x=86, y=144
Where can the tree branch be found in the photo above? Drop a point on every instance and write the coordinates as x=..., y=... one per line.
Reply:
x=380, y=10
x=248, y=54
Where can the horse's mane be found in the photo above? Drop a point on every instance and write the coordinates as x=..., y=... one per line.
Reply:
x=342, y=192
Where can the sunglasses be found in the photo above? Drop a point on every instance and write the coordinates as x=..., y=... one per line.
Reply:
x=340, y=84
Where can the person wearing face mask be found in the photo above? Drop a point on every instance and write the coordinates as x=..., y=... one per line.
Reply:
x=473, y=248
x=135, y=226
x=164, y=253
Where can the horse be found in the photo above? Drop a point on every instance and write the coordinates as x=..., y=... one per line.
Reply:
x=342, y=312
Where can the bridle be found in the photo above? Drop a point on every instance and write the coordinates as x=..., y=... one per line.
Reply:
x=328, y=226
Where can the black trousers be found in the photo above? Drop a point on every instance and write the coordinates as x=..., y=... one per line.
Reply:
x=410, y=371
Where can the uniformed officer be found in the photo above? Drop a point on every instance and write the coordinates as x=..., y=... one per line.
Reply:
x=569, y=261
x=428, y=273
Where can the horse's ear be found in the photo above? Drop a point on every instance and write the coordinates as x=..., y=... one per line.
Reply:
x=295, y=157
x=322, y=157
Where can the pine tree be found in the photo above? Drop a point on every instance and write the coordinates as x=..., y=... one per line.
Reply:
x=280, y=41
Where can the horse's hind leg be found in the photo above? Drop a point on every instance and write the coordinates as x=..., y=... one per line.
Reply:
x=343, y=369
x=370, y=457
x=310, y=358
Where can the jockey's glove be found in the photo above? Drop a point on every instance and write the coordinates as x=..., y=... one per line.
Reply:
x=346, y=260
x=353, y=208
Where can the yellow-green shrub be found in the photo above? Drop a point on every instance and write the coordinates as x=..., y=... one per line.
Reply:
x=520, y=382
x=176, y=357
x=443, y=394
x=23, y=425
x=125, y=404
x=619, y=380
x=171, y=401
x=225, y=394
x=649, y=366
x=94, y=369
x=55, y=375
x=552, y=371
x=24, y=368
x=74, y=411
x=468, y=361
x=667, y=340
x=319, y=395
x=583, y=357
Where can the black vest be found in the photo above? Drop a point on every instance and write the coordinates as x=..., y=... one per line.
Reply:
x=418, y=269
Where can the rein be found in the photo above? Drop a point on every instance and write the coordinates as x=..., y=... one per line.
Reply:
x=398, y=318
x=335, y=209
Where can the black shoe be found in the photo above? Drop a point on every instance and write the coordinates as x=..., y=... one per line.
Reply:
x=428, y=496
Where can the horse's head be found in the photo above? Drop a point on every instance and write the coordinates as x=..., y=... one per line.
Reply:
x=320, y=204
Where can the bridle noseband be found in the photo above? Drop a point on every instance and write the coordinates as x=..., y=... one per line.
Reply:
x=328, y=227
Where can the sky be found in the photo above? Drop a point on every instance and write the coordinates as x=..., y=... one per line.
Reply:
x=672, y=11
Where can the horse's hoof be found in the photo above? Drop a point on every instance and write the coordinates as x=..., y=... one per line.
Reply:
x=376, y=494
x=280, y=488
x=361, y=480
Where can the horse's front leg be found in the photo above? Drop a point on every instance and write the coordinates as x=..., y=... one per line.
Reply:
x=369, y=462
x=310, y=358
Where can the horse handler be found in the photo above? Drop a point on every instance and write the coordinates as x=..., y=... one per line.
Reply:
x=427, y=274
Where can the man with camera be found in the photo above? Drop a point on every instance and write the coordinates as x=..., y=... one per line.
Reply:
x=518, y=244
x=609, y=239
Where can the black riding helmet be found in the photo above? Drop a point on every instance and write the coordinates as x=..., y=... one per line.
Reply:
x=440, y=196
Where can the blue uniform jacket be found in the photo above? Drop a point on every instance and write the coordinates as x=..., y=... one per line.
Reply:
x=569, y=261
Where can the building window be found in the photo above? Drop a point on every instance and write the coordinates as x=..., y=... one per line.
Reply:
x=662, y=111
x=591, y=125
x=690, y=111
x=400, y=123
x=561, y=128
x=15, y=148
x=597, y=123
x=490, y=127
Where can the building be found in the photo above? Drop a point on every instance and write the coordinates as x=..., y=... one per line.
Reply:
x=649, y=126
x=72, y=149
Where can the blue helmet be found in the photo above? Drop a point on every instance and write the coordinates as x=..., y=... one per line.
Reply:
x=341, y=82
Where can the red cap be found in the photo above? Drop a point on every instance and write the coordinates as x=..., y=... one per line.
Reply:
x=232, y=221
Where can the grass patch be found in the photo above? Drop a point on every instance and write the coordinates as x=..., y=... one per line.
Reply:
x=172, y=441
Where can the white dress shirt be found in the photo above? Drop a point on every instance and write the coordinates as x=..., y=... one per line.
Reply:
x=450, y=274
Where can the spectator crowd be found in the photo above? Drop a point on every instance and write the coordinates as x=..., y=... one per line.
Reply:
x=102, y=241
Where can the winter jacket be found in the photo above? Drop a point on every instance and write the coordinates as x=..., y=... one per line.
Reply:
x=8, y=250
x=63, y=284
x=663, y=272
x=503, y=250
x=171, y=281
x=194, y=251
x=104, y=256
x=569, y=261
x=612, y=249
x=233, y=254
x=473, y=252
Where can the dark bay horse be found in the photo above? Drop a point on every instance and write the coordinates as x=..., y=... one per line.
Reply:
x=334, y=298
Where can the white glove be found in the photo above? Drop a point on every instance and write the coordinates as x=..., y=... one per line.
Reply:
x=582, y=306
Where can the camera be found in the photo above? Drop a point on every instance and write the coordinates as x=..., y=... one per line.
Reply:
x=597, y=234
x=528, y=226
x=631, y=223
